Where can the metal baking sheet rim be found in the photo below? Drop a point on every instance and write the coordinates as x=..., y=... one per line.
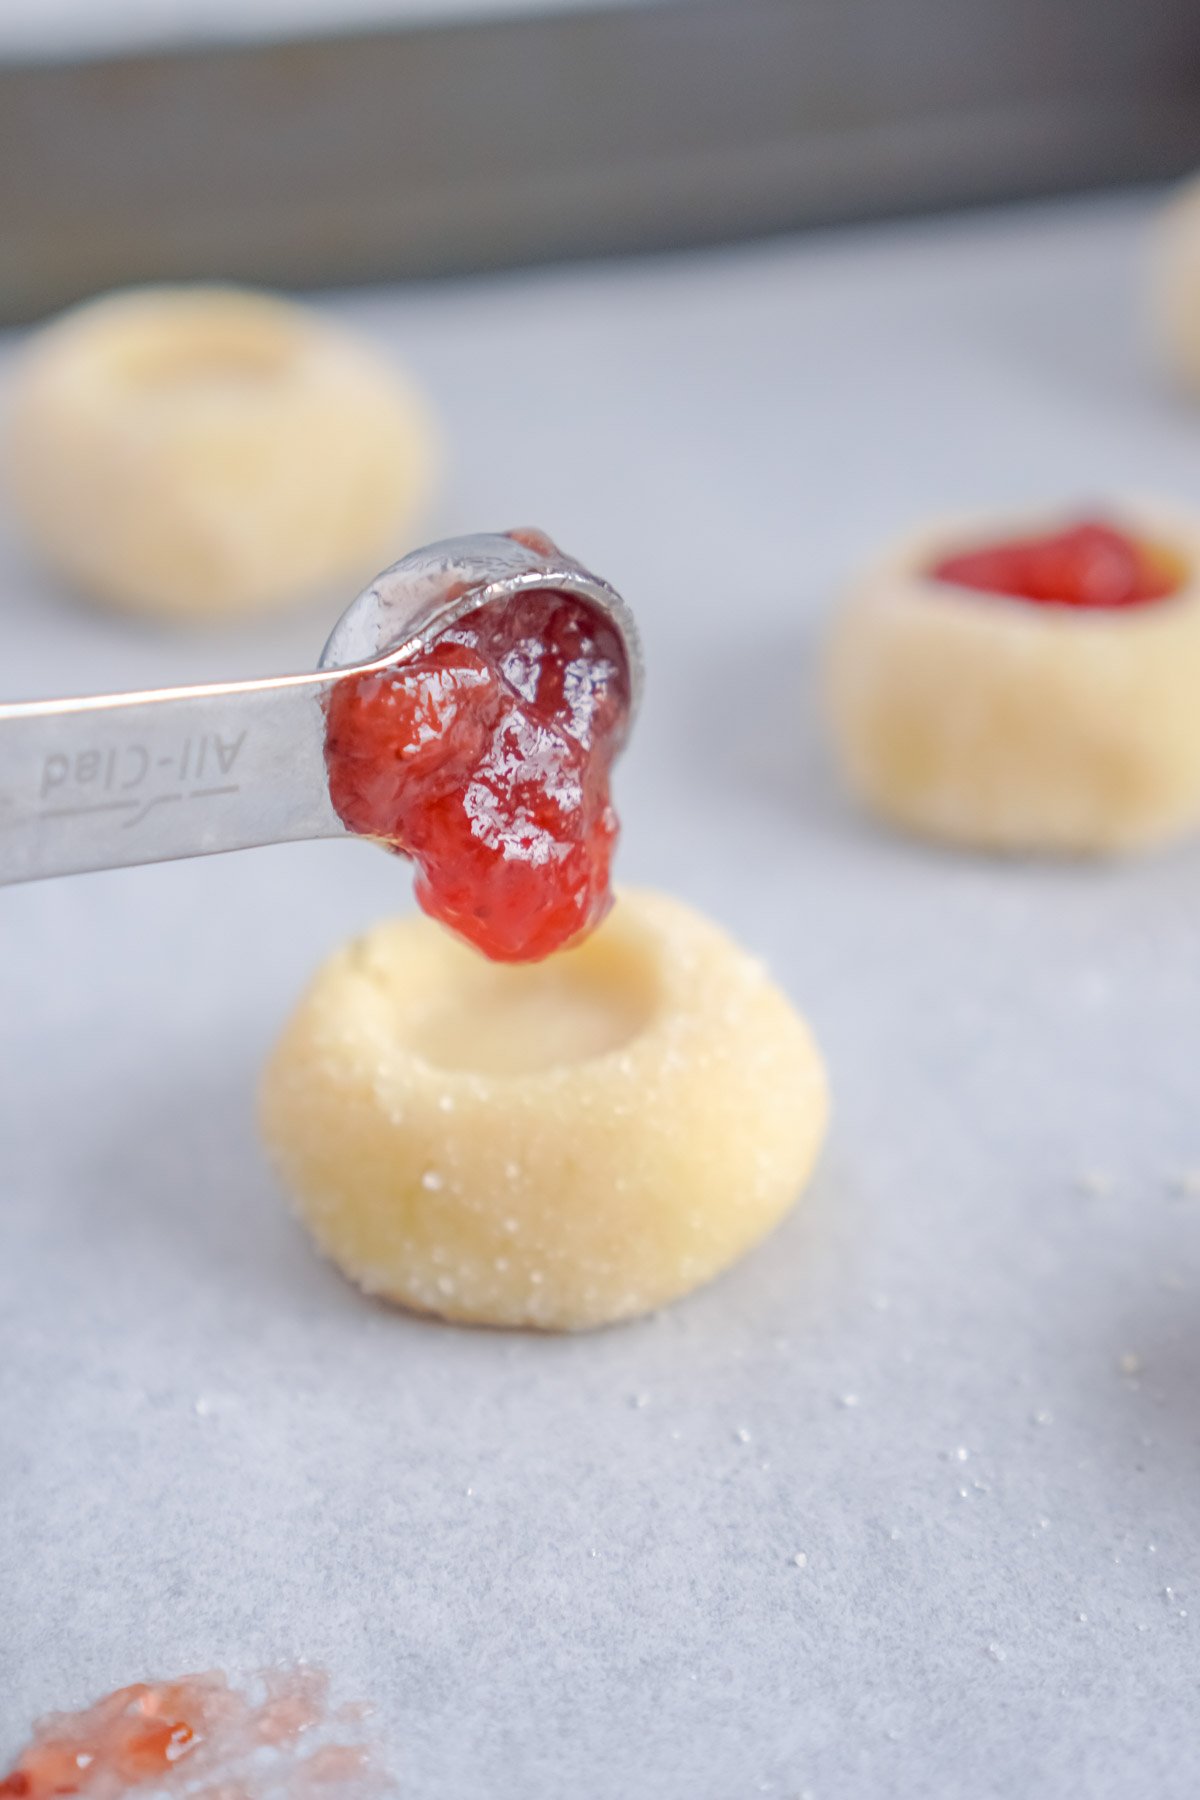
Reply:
x=432, y=150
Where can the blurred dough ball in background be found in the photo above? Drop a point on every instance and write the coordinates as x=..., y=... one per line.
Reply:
x=989, y=721
x=200, y=452
x=1175, y=285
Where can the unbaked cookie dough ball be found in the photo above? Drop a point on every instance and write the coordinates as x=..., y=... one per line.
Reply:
x=198, y=452
x=559, y=1144
x=1060, y=717
x=1175, y=285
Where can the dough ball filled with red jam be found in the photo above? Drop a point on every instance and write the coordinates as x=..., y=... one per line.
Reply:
x=486, y=760
x=560, y=1144
x=1027, y=685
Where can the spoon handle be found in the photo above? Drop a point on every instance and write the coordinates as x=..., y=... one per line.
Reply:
x=112, y=780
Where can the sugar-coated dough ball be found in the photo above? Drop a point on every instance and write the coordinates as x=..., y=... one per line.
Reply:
x=1174, y=290
x=202, y=451
x=991, y=721
x=558, y=1144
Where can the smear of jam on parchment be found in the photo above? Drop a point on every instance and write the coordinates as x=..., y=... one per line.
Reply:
x=201, y=1737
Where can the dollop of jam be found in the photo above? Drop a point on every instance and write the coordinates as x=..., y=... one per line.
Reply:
x=1091, y=564
x=486, y=759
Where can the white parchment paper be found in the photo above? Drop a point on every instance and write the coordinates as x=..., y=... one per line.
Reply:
x=962, y=1381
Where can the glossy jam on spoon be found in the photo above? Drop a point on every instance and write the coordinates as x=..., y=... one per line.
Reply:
x=1091, y=564
x=486, y=760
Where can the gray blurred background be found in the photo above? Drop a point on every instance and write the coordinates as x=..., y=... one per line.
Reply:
x=305, y=142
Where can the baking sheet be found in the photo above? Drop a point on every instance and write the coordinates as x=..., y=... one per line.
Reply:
x=72, y=28
x=966, y=1369
x=466, y=136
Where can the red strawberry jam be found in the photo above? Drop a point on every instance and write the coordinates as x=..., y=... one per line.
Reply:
x=1091, y=564
x=198, y=1735
x=136, y=1735
x=486, y=759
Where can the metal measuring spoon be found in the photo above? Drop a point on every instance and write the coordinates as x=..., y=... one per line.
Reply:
x=110, y=780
